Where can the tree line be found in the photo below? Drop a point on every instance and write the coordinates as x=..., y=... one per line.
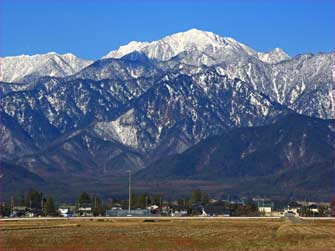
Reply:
x=194, y=203
x=36, y=200
x=33, y=199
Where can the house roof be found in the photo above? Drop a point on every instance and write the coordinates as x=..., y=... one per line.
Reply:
x=20, y=208
x=264, y=204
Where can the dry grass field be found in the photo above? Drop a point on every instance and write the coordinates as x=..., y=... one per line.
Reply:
x=167, y=234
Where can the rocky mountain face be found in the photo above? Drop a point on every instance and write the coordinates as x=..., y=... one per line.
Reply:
x=285, y=80
x=56, y=107
x=293, y=154
x=173, y=114
x=288, y=144
x=179, y=111
x=146, y=101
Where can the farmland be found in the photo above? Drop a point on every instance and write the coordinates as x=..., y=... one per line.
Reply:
x=167, y=234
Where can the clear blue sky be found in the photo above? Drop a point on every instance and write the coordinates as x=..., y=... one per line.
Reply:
x=90, y=29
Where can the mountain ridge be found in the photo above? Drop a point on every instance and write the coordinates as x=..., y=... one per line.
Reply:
x=25, y=68
x=294, y=146
x=193, y=39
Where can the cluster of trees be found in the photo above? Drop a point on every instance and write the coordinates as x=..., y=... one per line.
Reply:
x=142, y=201
x=322, y=212
x=248, y=209
x=93, y=201
x=37, y=201
x=197, y=198
x=33, y=199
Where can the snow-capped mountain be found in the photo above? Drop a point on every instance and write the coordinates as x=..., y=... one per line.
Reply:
x=26, y=68
x=275, y=56
x=214, y=48
x=60, y=106
x=191, y=40
x=126, y=49
x=303, y=83
x=151, y=99
x=291, y=81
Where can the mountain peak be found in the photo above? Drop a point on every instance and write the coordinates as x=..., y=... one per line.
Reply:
x=275, y=56
x=40, y=56
x=193, y=33
x=194, y=30
x=126, y=49
x=203, y=41
x=17, y=68
x=195, y=37
x=278, y=50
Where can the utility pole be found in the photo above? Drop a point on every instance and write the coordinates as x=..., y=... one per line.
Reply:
x=42, y=204
x=129, y=195
x=11, y=205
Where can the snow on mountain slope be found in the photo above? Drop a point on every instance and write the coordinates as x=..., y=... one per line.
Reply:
x=181, y=110
x=210, y=45
x=305, y=84
x=121, y=130
x=119, y=69
x=275, y=56
x=126, y=49
x=170, y=46
x=25, y=68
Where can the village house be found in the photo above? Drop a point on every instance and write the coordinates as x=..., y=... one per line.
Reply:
x=67, y=210
x=18, y=211
x=180, y=213
x=265, y=207
x=119, y=212
x=34, y=213
x=21, y=211
x=85, y=210
x=291, y=211
x=314, y=208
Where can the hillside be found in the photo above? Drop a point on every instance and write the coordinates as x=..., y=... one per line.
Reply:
x=295, y=154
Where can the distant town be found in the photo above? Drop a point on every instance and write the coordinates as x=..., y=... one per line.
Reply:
x=34, y=204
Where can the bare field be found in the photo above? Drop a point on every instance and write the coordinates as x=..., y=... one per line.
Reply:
x=167, y=234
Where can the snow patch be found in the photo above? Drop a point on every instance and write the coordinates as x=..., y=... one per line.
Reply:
x=122, y=129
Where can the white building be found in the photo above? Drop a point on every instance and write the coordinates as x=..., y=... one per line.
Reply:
x=65, y=212
x=265, y=207
x=291, y=211
x=85, y=211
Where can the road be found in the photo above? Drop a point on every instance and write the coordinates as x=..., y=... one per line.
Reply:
x=138, y=217
x=167, y=218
